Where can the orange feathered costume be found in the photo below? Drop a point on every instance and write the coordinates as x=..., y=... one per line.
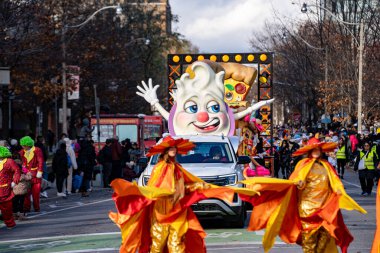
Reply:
x=164, y=201
x=277, y=208
x=376, y=240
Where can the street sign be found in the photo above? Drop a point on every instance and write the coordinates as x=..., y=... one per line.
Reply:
x=73, y=82
x=5, y=76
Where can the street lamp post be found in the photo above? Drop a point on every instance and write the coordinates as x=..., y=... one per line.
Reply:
x=63, y=43
x=360, y=85
x=360, y=45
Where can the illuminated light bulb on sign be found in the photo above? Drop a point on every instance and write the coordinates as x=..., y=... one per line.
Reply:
x=176, y=58
x=263, y=79
x=263, y=57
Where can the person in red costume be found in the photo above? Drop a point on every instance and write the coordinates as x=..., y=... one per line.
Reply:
x=9, y=176
x=33, y=162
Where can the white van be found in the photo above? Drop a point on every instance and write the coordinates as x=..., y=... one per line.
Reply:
x=226, y=171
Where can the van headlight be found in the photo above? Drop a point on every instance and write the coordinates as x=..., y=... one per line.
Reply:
x=145, y=180
x=230, y=179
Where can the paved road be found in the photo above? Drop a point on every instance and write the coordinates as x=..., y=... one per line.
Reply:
x=81, y=225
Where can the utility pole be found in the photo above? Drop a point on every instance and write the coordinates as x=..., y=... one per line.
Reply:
x=326, y=78
x=64, y=97
x=360, y=84
x=97, y=112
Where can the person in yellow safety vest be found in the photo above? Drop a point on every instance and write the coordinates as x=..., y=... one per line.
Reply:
x=366, y=163
x=341, y=156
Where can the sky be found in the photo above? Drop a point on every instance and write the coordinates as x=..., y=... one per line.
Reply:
x=225, y=26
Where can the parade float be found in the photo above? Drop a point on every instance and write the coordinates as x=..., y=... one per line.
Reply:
x=220, y=94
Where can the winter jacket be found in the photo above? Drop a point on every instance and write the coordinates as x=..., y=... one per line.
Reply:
x=86, y=159
x=60, y=163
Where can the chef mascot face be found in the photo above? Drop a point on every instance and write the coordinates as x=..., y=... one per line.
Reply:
x=200, y=106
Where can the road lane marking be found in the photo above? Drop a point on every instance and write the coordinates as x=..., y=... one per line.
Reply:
x=31, y=246
x=223, y=234
x=69, y=208
x=234, y=248
x=57, y=237
x=343, y=180
x=60, y=237
x=86, y=250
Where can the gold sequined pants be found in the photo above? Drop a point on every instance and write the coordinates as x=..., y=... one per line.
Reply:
x=315, y=242
x=164, y=235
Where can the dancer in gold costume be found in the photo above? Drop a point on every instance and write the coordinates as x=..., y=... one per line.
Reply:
x=158, y=217
x=306, y=208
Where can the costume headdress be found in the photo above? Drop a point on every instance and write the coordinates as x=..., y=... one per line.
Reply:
x=27, y=141
x=182, y=145
x=4, y=152
x=315, y=143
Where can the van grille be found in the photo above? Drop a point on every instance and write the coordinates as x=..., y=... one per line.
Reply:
x=206, y=207
x=216, y=181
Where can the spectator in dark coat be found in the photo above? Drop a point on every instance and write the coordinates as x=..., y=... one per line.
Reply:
x=105, y=159
x=126, y=146
x=116, y=159
x=86, y=162
x=285, y=158
x=61, y=168
x=50, y=140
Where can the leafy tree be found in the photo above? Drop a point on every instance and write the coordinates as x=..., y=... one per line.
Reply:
x=300, y=67
x=112, y=52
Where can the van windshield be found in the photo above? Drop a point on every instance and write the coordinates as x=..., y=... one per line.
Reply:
x=204, y=152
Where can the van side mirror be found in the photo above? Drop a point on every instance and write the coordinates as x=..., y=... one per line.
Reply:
x=244, y=159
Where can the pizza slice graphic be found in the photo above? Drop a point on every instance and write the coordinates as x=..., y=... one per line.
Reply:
x=235, y=92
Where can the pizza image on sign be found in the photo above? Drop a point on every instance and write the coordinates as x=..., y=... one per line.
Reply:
x=235, y=92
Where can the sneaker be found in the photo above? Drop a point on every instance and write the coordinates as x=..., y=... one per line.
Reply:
x=368, y=194
x=363, y=193
x=61, y=194
x=68, y=193
x=44, y=194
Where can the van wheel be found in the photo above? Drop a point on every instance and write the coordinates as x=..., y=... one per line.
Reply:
x=239, y=220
